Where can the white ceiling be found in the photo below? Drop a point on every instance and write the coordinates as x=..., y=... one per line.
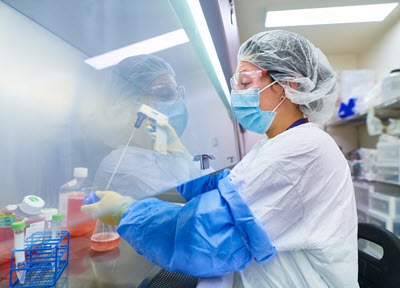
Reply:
x=331, y=39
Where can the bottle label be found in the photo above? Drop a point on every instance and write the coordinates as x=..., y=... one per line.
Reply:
x=6, y=219
x=63, y=207
x=34, y=227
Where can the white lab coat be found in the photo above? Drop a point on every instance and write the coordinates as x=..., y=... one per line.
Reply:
x=298, y=184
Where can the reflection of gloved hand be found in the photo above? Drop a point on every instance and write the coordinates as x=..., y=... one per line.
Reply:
x=174, y=144
x=110, y=207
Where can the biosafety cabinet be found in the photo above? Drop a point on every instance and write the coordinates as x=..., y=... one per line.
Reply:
x=66, y=104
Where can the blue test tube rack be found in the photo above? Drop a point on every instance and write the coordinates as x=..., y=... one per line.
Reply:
x=45, y=260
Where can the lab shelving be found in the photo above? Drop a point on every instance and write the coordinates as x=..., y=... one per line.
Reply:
x=387, y=109
x=378, y=203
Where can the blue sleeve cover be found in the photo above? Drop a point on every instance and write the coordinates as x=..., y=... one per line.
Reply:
x=213, y=234
x=201, y=185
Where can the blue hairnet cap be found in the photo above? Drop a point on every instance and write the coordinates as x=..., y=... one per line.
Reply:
x=141, y=70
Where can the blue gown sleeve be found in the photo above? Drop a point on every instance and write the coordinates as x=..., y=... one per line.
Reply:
x=212, y=235
x=201, y=185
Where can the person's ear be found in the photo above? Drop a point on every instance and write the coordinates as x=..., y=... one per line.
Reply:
x=293, y=85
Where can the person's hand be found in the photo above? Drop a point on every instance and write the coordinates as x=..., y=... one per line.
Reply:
x=174, y=144
x=110, y=207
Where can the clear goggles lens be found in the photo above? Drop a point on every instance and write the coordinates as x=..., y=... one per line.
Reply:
x=247, y=79
x=166, y=92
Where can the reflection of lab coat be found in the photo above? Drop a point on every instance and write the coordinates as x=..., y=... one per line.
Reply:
x=299, y=186
x=143, y=173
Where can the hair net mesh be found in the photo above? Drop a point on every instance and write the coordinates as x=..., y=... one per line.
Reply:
x=299, y=61
x=141, y=70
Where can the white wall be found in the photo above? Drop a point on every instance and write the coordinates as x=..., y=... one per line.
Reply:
x=341, y=62
x=384, y=55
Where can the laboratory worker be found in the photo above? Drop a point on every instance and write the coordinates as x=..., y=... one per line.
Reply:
x=285, y=216
x=135, y=167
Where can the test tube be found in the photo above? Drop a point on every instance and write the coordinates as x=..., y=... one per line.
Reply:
x=19, y=244
x=56, y=222
x=56, y=225
x=48, y=215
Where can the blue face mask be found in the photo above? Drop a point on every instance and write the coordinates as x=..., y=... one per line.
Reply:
x=246, y=108
x=176, y=112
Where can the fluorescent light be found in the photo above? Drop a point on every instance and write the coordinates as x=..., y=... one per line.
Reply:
x=205, y=35
x=329, y=15
x=148, y=46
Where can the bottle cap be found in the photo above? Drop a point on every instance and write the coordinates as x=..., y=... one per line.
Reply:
x=18, y=225
x=58, y=217
x=80, y=172
x=90, y=199
x=11, y=207
x=48, y=213
x=31, y=204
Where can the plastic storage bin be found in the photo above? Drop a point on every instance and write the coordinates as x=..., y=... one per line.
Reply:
x=388, y=154
x=45, y=260
x=388, y=173
x=389, y=223
x=356, y=84
x=388, y=162
x=362, y=215
x=391, y=86
x=368, y=158
x=361, y=190
x=385, y=204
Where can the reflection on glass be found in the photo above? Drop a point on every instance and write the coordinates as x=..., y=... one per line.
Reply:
x=151, y=115
x=59, y=113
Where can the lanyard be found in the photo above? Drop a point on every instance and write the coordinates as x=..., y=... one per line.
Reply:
x=298, y=122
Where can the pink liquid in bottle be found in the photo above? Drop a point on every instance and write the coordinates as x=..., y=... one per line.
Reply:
x=78, y=223
x=71, y=197
x=104, y=241
x=6, y=244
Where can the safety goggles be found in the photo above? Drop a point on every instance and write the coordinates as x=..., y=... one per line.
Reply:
x=248, y=79
x=166, y=92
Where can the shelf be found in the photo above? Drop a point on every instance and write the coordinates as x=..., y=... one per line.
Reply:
x=390, y=165
x=388, y=182
x=388, y=109
x=361, y=207
x=359, y=183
